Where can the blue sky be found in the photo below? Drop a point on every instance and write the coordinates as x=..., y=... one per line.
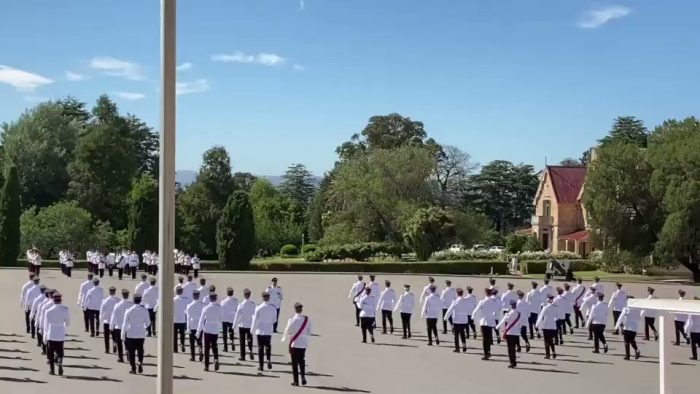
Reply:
x=285, y=81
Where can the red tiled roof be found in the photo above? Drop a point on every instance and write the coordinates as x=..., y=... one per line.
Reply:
x=581, y=235
x=567, y=182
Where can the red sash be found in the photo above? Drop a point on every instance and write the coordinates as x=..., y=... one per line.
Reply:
x=298, y=334
x=512, y=325
x=583, y=291
x=354, y=299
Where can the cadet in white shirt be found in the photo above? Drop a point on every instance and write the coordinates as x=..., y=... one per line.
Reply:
x=355, y=292
x=499, y=307
x=229, y=307
x=367, y=305
x=150, y=299
x=179, y=318
x=204, y=290
x=599, y=289
x=569, y=308
x=263, y=319
x=486, y=311
x=617, y=303
x=589, y=300
x=471, y=305
x=692, y=329
x=629, y=322
x=386, y=305
x=492, y=286
x=650, y=317
x=447, y=296
x=106, y=310
x=405, y=306
x=275, y=299
x=142, y=286
x=209, y=325
x=511, y=324
x=546, y=290
x=561, y=304
x=37, y=296
x=534, y=301
x=189, y=287
x=41, y=313
x=299, y=329
x=116, y=320
x=194, y=313
x=56, y=321
x=507, y=297
x=22, y=299
x=679, y=320
x=578, y=292
x=426, y=290
x=458, y=313
x=133, y=264
x=431, y=310
x=524, y=308
x=243, y=321
x=374, y=286
x=92, y=303
x=84, y=288
x=597, y=320
x=134, y=332
x=547, y=322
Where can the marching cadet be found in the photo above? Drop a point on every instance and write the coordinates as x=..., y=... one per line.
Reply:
x=275, y=293
x=244, y=321
x=179, y=318
x=560, y=302
x=84, y=288
x=578, y=292
x=299, y=329
x=545, y=291
x=534, y=301
x=692, y=330
x=492, y=285
x=180, y=283
x=263, y=320
x=69, y=264
x=204, y=290
x=568, y=308
x=679, y=320
x=386, y=305
x=36, y=296
x=209, y=324
x=499, y=307
x=115, y=323
x=91, y=304
x=486, y=310
x=547, y=322
x=597, y=320
x=650, y=317
x=458, y=313
x=142, y=286
x=447, y=296
x=374, y=286
x=229, y=307
x=471, y=305
x=189, y=287
x=507, y=297
x=150, y=299
x=41, y=313
x=106, y=310
x=426, y=290
x=355, y=292
x=26, y=307
x=101, y=264
x=134, y=332
x=133, y=263
x=62, y=261
x=629, y=322
x=194, y=313
x=588, y=301
x=431, y=310
x=194, y=263
x=121, y=264
x=367, y=304
x=511, y=324
x=599, y=289
x=405, y=306
x=617, y=303
x=56, y=321
x=523, y=307
x=111, y=260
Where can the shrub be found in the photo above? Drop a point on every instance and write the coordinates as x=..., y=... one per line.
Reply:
x=10, y=212
x=445, y=268
x=540, y=267
x=358, y=251
x=289, y=250
x=448, y=255
x=309, y=248
x=63, y=225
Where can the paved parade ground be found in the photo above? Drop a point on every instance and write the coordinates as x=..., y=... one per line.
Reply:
x=336, y=359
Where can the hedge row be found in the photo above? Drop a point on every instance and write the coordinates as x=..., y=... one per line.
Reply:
x=540, y=267
x=358, y=251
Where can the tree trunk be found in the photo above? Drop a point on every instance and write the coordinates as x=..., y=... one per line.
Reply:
x=694, y=267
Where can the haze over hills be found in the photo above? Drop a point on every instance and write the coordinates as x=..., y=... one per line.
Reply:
x=185, y=177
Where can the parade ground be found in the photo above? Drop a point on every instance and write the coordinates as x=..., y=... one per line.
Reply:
x=337, y=361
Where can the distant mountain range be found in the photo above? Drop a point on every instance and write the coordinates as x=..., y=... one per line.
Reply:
x=185, y=177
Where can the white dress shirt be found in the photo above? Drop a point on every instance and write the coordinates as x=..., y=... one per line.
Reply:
x=649, y=312
x=210, y=321
x=107, y=308
x=561, y=303
x=93, y=298
x=36, y=303
x=471, y=301
x=579, y=291
x=244, y=314
x=136, y=320
x=680, y=316
x=405, y=302
x=589, y=300
x=599, y=314
x=545, y=290
x=692, y=324
x=194, y=313
x=548, y=316
x=84, y=288
x=23, y=296
x=275, y=293
x=115, y=322
x=426, y=292
x=599, y=289
x=618, y=300
x=387, y=300
x=293, y=328
x=375, y=289
x=367, y=305
x=188, y=290
x=448, y=295
x=512, y=323
x=32, y=294
x=486, y=311
x=357, y=289
x=56, y=320
x=505, y=299
x=229, y=306
x=629, y=318
x=432, y=307
x=569, y=302
x=534, y=300
x=179, y=306
x=459, y=311
x=263, y=319
x=204, y=294
x=150, y=297
x=524, y=308
x=141, y=287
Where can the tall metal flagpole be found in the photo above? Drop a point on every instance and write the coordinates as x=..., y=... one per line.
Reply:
x=166, y=216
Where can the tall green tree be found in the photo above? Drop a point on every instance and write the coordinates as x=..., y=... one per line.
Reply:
x=298, y=186
x=317, y=209
x=235, y=233
x=627, y=130
x=276, y=221
x=244, y=181
x=142, y=230
x=429, y=229
x=452, y=169
x=571, y=162
x=10, y=212
x=61, y=226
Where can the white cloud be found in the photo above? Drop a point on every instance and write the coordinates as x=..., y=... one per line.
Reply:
x=299, y=67
x=596, y=18
x=184, y=66
x=24, y=81
x=198, y=86
x=117, y=68
x=264, y=58
x=130, y=95
x=75, y=77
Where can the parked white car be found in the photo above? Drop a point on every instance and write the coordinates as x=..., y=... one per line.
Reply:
x=497, y=249
x=457, y=248
x=478, y=247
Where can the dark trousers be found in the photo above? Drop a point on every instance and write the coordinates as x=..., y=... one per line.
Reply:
x=102, y=272
x=93, y=321
x=133, y=272
x=649, y=324
x=227, y=333
x=117, y=339
x=152, y=328
x=580, y=321
x=26, y=321
x=560, y=330
x=298, y=364
x=590, y=331
x=487, y=339
x=357, y=315
x=110, y=269
x=264, y=348
x=523, y=334
x=120, y=273
x=616, y=316
x=694, y=344
x=40, y=341
x=32, y=324
x=406, y=324
x=444, y=323
x=513, y=342
x=179, y=331
x=274, y=325
x=629, y=337
x=531, y=323
x=678, y=325
x=86, y=319
x=55, y=354
x=431, y=324
x=105, y=334
x=210, y=345
x=367, y=324
x=68, y=271
x=243, y=336
x=598, y=336
x=386, y=315
x=196, y=272
x=460, y=331
x=195, y=339
x=471, y=325
x=567, y=320
x=134, y=348
x=549, y=336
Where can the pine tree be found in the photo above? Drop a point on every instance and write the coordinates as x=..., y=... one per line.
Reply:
x=142, y=229
x=235, y=233
x=10, y=212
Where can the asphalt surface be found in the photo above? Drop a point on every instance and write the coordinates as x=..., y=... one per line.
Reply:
x=337, y=360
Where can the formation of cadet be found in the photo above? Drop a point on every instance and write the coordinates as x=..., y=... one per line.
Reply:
x=185, y=263
x=34, y=260
x=544, y=311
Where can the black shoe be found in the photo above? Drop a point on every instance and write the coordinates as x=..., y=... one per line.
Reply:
x=403, y=337
x=52, y=373
x=605, y=348
x=364, y=341
x=596, y=351
x=92, y=335
x=260, y=369
x=269, y=365
x=206, y=368
x=121, y=360
x=372, y=338
x=539, y=336
x=687, y=340
x=295, y=384
x=519, y=349
x=485, y=358
x=676, y=344
x=572, y=331
x=182, y=348
x=191, y=358
x=527, y=347
x=464, y=350
x=694, y=358
x=547, y=357
x=626, y=358
x=140, y=368
x=132, y=371
x=437, y=341
x=456, y=351
x=554, y=355
x=383, y=332
x=391, y=330
x=303, y=382
x=656, y=337
x=357, y=324
x=637, y=354
x=252, y=357
x=201, y=357
x=616, y=333
x=430, y=344
x=97, y=333
x=498, y=340
x=216, y=365
x=114, y=349
x=241, y=358
x=512, y=366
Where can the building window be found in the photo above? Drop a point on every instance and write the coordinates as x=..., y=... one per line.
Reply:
x=547, y=208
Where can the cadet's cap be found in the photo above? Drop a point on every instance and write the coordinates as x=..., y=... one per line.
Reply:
x=533, y=283
x=469, y=288
x=681, y=291
x=519, y=293
x=494, y=291
x=246, y=291
x=449, y=282
x=432, y=287
x=487, y=290
x=559, y=289
x=96, y=280
x=125, y=291
x=407, y=286
x=229, y=289
x=195, y=291
x=212, y=288
x=57, y=296
x=431, y=279
x=265, y=294
x=180, y=278
x=144, y=276
x=492, y=280
x=137, y=295
x=274, y=279
x=566, y=285
x=152, y=279
x=178, y=288
x=550, y=296
x=112, y=288
x=35, y=279
x=189, y=276
x=596, y=278
x=298, y=305
x=509, y=285
x=618, y=284
x=42, y=287
x=650, y=289
x=212, y=296
x=513, y=302
x=459, y=290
